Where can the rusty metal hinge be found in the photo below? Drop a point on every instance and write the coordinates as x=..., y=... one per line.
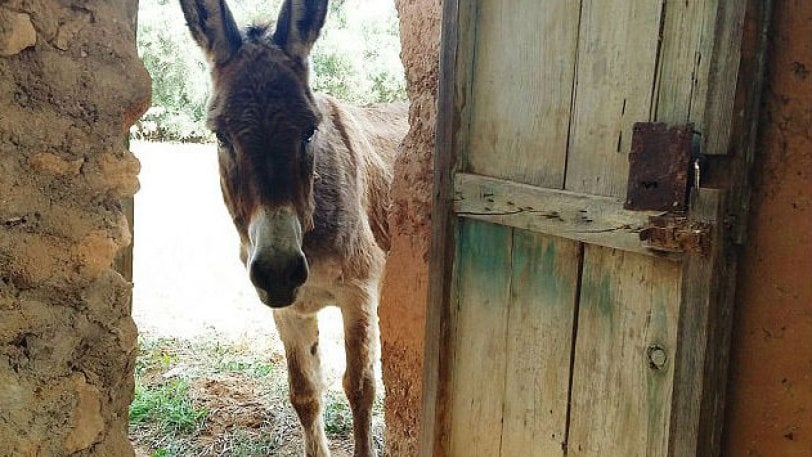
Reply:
x=676, y=233
x=660, y=164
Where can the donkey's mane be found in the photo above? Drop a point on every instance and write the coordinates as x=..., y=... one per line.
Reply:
x=256, y=32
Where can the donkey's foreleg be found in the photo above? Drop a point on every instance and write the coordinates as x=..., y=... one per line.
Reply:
x=300, y=336
x=361, y=342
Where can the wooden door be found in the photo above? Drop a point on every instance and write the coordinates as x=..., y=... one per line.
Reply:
x=553, y=329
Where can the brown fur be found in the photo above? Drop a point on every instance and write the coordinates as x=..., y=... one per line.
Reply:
x=337, y=181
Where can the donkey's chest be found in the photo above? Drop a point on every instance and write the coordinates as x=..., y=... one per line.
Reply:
x=321, y=288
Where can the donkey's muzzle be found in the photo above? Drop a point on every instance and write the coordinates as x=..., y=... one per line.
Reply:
x=278, y=279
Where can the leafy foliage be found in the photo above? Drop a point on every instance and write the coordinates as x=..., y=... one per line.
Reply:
x=357, y=59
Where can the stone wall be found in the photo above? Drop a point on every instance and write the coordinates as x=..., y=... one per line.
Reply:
x=770, y=398
x=70, y=86
x=403, y=304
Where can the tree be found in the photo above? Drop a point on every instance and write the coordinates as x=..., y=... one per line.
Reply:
x=356, y=60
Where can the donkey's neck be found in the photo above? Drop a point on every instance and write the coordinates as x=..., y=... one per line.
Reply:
x=354, y=151
x=340, y=153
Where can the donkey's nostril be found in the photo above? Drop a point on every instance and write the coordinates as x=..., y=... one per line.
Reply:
x=298, y=271
x=269, y=275
x=260, y=274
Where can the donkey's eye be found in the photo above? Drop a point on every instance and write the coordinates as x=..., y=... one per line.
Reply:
x=222, y=138
x=307, y=136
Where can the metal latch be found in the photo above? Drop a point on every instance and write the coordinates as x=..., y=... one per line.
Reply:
x=664, y=162
x=676, y=233
x=659, y=166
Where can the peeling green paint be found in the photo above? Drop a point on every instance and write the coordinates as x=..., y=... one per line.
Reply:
x=597, y=293
x=539, y=274
x=483, y=249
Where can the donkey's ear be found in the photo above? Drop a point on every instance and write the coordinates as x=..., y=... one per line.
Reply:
x=298, y=26
x=213, y=27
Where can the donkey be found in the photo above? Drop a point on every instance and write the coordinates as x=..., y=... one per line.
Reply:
x=306, y=181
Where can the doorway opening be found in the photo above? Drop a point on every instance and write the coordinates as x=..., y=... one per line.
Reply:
x=211, y=377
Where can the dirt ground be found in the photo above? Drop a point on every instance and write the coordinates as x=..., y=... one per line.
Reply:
x=193, y=303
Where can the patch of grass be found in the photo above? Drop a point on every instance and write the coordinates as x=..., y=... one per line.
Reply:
x=163, y=452
x=222, y=358
x=250, y=443
x=208, y=397
x=337, y=416
x=168, y=406
x=169, y=449
x=152, y=354
x=230, y=363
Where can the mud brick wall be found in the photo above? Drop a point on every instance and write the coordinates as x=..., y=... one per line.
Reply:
x=770, y=396
x=403, y=303
x=70, y=86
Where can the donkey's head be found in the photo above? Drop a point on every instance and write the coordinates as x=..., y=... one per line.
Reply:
x=264, y=116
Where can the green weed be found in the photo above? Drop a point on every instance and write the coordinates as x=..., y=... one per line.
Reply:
x=337, y=416
x=158, y=353
x=168, y=406
x=162, y=452
x=253, y=368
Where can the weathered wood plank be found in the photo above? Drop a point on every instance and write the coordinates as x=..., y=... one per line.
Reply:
x=617, y=57
x=718, y=111
x=702, y=336
x=457, y=22
x=586, y=218
x=684, y=60
x=483, y=277
x=522, y=95
x=734, y=171
x=624, y=355
x=698, y=68
x=733, y=203
x=539, y=341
